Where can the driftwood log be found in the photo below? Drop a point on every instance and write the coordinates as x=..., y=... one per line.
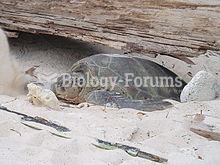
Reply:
x=177, y=28
x=207, y=134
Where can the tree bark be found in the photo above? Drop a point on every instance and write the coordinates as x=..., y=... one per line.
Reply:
x=177, y=28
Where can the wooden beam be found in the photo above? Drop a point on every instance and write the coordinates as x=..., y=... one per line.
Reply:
x=175, y=28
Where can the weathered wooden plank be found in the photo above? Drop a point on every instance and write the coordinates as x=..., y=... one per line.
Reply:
x=150, y=27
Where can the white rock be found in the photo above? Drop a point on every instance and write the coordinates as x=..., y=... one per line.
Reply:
x=42, y=97
x=202, y=87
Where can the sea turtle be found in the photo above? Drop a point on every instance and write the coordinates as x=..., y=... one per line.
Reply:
x=119, y=81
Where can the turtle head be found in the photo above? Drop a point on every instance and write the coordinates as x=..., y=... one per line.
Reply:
x=68, y=86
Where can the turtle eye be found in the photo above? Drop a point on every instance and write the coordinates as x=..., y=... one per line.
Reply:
x=62, y=89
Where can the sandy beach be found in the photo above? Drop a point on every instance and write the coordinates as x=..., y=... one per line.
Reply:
x=164, y=133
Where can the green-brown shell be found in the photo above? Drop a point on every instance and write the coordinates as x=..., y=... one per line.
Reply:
x=113, y=65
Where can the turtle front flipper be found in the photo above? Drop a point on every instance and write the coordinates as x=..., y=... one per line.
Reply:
x=116, y=100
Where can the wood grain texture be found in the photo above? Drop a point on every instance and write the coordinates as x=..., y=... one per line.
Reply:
x=178, y=28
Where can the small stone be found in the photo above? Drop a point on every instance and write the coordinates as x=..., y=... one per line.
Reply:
x=42, y=97
x=202, y=87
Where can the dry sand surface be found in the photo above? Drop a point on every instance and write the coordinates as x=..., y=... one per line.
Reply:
x=164, y=133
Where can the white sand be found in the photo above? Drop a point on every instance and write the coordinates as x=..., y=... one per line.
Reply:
x=165, y=133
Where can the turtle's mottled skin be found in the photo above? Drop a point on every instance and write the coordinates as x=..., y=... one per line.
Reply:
x=113, y=65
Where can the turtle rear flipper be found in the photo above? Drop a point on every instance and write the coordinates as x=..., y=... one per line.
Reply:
x=116, y=100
